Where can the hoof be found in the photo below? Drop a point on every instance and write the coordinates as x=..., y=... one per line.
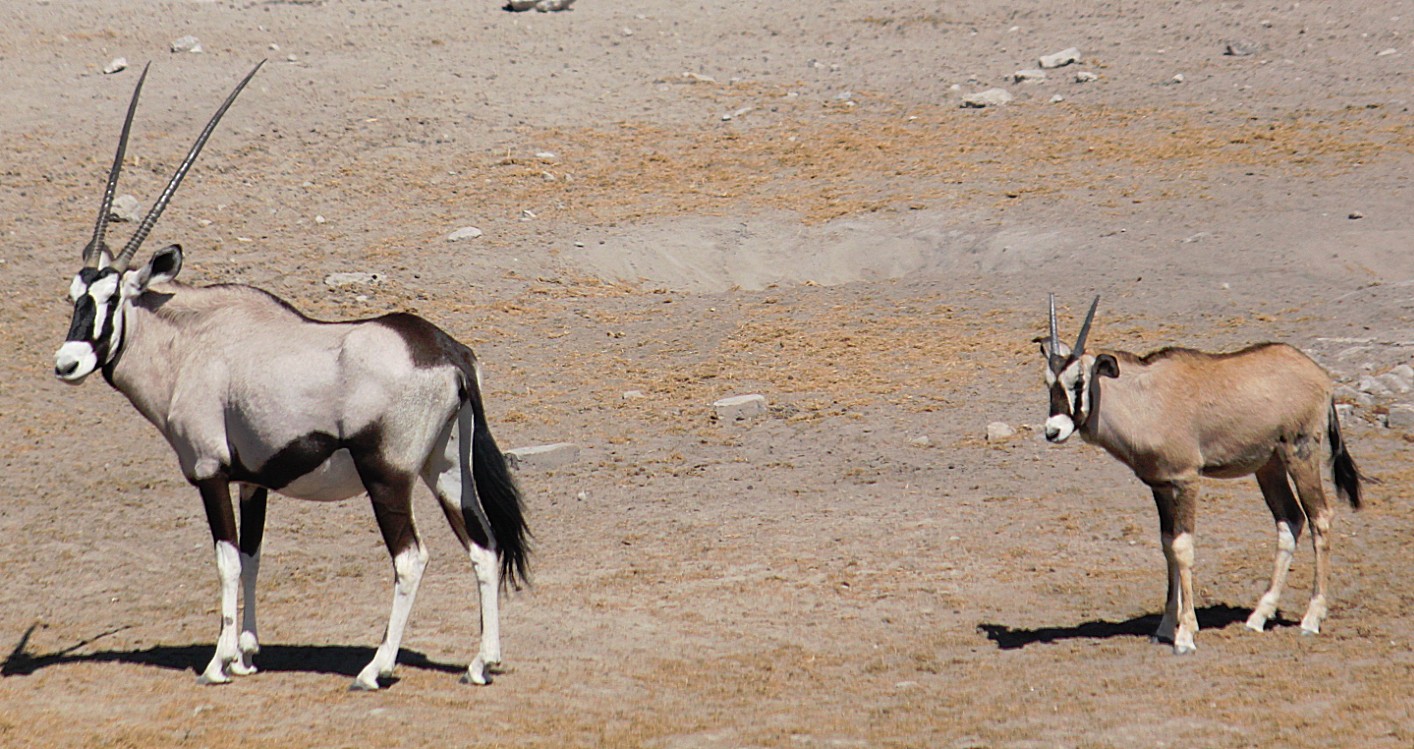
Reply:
x=207, y=680
x=1185, y=649
x=1257, y=623
x=480, y=672
x=359, y=685
x=1309, y=632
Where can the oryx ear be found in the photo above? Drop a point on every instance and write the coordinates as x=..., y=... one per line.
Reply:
x=162, y=268
x=1106, y=366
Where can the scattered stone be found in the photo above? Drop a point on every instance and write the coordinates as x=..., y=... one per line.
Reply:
x=1085, y=76
x=466, y=232
x=733, y=115
x=546, y=155
x=921, y=440
x=1401, y=416
x=125, y=208
x=1056, y=99
x=187, y=44
x=632, y=395
x=1178, y=78
x=1190, y=239
x=1029, y=76
x=1395, y=383
x=1373, y=386
x=992, y=97
x=1355, y=216
x=320, y=219
x=1060, y=59
x=351, y=278
x=543, y=457
x=1241, y=48
x=1387, y=52
x=551, y=6
x=999, y=431
x=115, y=65
x=739, y=407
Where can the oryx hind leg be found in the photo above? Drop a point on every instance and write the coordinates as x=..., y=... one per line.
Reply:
x=1305, y=470
x=392, y=507
x=448, y=474
x=216, y=497
x=1290, y=522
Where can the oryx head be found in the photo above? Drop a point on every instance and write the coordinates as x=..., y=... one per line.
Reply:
x=105, y=286
x=1070, y=374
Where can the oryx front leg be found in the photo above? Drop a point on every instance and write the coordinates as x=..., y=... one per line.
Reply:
x=216, y=496
x=392, y=505
x=1177, y=511
x=253, y=501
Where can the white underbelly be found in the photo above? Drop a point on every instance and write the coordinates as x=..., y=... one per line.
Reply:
x=334, y=479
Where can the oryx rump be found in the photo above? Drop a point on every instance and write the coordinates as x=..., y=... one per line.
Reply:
x=248, y=391
x=1176, y=415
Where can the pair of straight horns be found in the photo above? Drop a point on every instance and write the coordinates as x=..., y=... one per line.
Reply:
x=1079, y=348
x=93, y=251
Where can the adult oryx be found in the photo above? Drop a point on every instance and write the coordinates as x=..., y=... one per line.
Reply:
x=250, y=392
x=1175, y=415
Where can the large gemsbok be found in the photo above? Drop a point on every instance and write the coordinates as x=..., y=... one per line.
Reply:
x=250, y=392
x=1175, y=415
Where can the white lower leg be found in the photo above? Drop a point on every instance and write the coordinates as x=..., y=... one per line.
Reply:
x=486, y=564
x=228, y=567
x=408, y=566
x=1267, y=606
x=1170, y=619
x=249, y=641
x=1320, y=539
x=1187, y=617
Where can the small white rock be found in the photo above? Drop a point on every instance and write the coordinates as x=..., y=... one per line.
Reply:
x=543, y=457
x=125, y=208
x=992, y=97
x=1057, y=98
x=1401, y=416
x=1178, y=78
x=999, y=431
x=1060, y=59
x=632, y=395
x=1030, y=75
x=466, y=232
x=1387, y=52
x=527, y=215
x=740, y=407
x=550, y=6
x=1085, y=76
x=921, y=440
x=187, y=44
x=115, y=65
x=351, y=278
x=320, y=220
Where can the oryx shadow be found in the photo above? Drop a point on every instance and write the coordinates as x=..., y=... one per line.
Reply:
x=1209, y=617
x=340, y=660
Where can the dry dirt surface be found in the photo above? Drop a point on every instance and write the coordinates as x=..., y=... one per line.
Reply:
x=695, y=200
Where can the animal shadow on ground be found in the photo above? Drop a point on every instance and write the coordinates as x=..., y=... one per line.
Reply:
x=1209, y=617
x=320, y=659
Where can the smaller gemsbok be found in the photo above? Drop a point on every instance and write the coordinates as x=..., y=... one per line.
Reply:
x=1175, y=415
x=248, y=391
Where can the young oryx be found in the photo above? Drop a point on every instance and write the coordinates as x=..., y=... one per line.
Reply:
x=250, y=392
x=1176, y=414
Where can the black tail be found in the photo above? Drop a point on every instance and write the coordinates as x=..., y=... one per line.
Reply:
x=1343, y=471
x=499, y=497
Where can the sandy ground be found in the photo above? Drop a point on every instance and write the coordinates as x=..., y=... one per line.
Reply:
x=725, y=198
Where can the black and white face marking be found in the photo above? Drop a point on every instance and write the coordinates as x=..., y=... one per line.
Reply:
x=1070, y=397
x=96, y=325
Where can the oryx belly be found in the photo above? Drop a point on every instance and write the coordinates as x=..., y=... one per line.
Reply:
x=334, y=479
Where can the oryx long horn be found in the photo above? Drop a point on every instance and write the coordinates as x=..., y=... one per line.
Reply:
x=1085, y=328
x=1055, y=337
x=95, y=246
x=121, y=262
